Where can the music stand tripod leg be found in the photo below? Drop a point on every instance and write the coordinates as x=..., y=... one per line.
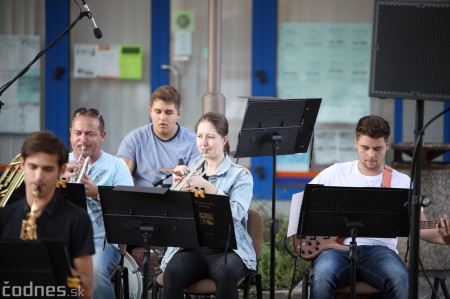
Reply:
x=147, y=234
x=440, y=281
x=444, y=288
x=353, y=258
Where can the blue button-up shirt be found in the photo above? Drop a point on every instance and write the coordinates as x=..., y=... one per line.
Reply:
x=237, y=182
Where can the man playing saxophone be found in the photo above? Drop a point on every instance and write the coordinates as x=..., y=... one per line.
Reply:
x=46, y=214
x=87, y=134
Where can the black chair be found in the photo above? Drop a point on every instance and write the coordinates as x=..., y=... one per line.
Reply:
x=119, y=276
x=255, y=226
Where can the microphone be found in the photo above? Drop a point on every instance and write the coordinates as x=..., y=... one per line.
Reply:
x=163, y=178
x=97, y=32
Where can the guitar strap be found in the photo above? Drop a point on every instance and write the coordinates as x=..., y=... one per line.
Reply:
x=387, y=176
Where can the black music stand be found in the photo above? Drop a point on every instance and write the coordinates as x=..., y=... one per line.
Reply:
x=73, y=192
x=354, y=212
x=158, y=216
x=35, y=265
x=272, y=127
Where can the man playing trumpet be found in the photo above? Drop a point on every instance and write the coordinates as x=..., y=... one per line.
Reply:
x=43, y=159
x=87, y=134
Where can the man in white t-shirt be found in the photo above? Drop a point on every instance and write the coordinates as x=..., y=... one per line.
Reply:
x=378, y=262
x=162, y=144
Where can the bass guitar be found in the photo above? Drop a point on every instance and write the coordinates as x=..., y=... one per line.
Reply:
x=309, y=247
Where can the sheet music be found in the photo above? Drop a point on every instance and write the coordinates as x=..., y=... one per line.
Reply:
x=294, y=214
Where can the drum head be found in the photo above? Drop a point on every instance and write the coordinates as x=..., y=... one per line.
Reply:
x=134, y=277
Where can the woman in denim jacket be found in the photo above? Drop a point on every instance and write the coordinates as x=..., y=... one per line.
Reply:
x=183, y=266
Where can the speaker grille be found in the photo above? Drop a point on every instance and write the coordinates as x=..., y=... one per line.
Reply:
x=411, y=50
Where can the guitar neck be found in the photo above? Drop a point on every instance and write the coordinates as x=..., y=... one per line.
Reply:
x=429, y=224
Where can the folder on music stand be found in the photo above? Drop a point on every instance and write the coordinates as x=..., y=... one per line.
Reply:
x=215, y=227
x=37, y=262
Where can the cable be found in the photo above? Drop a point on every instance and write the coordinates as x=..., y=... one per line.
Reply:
x=292, y=278
x=291, y=253
x=312, y=149
x=294, y=256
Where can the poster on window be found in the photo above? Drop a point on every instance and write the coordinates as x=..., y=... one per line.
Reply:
x=22, y=99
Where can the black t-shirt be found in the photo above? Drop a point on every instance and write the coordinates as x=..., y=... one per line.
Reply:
x=60, y=220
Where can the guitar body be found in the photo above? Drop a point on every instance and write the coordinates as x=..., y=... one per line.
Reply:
x=309, y=247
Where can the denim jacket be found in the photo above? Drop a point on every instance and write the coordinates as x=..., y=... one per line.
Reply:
x=237, y=182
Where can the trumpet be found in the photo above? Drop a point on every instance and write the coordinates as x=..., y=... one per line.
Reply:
x=196, y=167
x=84, y=169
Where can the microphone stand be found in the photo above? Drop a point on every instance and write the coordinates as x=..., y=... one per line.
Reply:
x=39, y=55
x=415, y=205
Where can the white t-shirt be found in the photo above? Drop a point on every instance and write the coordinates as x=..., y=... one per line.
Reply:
x=347, y=174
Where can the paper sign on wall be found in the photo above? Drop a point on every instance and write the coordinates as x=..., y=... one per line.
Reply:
x=108, y=61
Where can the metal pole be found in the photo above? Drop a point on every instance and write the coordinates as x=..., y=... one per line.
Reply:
x=213, y=100
x=414, y=238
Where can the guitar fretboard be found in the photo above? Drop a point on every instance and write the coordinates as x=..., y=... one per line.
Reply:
x=429, y=224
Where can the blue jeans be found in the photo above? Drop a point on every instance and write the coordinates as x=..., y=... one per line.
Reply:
x=378, y=266
x=104, y=260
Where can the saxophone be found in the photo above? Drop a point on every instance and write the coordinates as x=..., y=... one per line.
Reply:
x=29, y=227
x=29, y=232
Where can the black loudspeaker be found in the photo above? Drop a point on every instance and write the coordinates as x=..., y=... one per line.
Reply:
x=411, y=50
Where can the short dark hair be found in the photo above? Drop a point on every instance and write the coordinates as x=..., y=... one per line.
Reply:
x=220, y=122
x=373, y=126
x=45, y=142
x=91, y=112
x=167, y=94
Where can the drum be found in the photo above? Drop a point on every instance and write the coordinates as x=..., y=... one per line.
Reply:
x=134, y=277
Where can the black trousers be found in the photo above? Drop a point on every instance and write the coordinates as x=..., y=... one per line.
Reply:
x=187, y=267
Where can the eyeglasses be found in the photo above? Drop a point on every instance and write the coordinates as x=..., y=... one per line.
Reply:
x=92, y=112
x=87, y=111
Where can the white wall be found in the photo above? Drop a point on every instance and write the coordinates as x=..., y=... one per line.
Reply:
x=123, y=103
x=19, y=17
